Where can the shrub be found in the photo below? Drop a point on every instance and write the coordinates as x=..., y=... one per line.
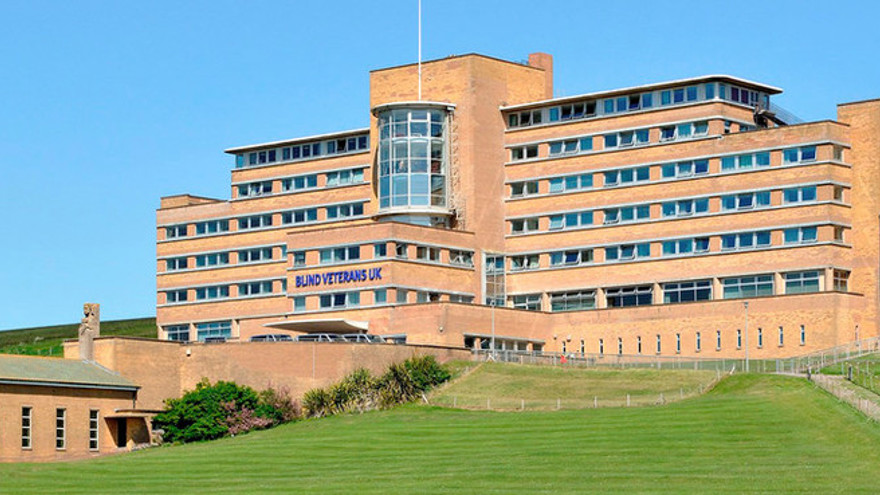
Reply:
x=317, y=403
x=224, y=408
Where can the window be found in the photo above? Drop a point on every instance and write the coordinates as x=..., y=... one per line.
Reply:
x=739, y=339
x=175, y=231
x=837, y=153
x=781, y=337
x=802, y=282
x=627, y=214
x=803, y=335
x=571, y=146
x=253, y=255
x=254, y=222
x=299, y=216
x=521, y=189
x=254, y=189
x=799, y=155
x=529, y=302
x=299, y=183
x=746, y=240
x=679, y=292
x=461, y=258
x=752, y=286
x=800, y=235
x=658, y=343
x=380, y=250
x=339, y=254
x=573, y=111
x=345, y=211
x=718, y=340
x=93, y=429
x=601, y=347
x=175, y=296
x=627, y=176
x=571, y=220
x=299, y=304
x=217, y=259
x=684, y=131
x=629, y=296
x=172, y=264
x=26, y=413
x=838, y=193
x=380, y=296
x=626, y=139
x=745, y=162
x=255, y=288
x=639, y=344
x=745, y=201
x=573, y=301
x=838, y=234
x=619, y=345
x=524, y=119
x=400, y=250
x=678, y=343
x=60, y=429
x=799, y=194
x=459, y=298
x=571, y=257
x=524, y=153
x=427, y=253
x=402, y=296
x=345, y=177
x=299, y=258
x=213, y=329
x=628, y=252
x=214, y=292
x=841, y=280
x=524, y=225
x=698, y=342
x=333, y=146
x=212, y=227
x=685, y=207
x=524, y=262
x=340, y=300
x=685, y=169
x=177, y=333
x=425, y=297
x=571, y=183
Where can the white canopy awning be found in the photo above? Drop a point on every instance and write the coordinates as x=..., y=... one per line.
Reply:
x=333, y=325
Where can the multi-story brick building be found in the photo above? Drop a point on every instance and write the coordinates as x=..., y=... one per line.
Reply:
x=637, y=220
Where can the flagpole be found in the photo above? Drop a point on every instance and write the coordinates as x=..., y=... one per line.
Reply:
x=420, y=50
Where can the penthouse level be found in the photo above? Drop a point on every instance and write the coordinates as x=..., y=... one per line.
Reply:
x=594, y=223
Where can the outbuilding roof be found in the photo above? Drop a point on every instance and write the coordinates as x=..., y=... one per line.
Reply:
x=57, y=372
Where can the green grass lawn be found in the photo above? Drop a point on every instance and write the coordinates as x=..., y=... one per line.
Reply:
x=46, y=341
x=506, y=386
x=866, y=371
x=751, y=433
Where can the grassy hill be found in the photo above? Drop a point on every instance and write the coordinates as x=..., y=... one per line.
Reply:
x=751, y=433
x=510, y=387
x=46, y=341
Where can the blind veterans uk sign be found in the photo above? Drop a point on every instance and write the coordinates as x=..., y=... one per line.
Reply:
x=336, y=278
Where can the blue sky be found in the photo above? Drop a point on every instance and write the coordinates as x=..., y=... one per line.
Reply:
x=106, y=106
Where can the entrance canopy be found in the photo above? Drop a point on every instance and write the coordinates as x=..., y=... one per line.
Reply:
x=333, y=325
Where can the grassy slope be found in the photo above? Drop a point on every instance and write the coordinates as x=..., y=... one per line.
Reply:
x=752, y=433
x=540, y=386
x=46, y=341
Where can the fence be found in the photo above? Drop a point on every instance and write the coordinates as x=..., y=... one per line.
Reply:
x=849, y=393
x=798, y=364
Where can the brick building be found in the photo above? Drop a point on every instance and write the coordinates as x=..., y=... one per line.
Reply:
x=679, y=218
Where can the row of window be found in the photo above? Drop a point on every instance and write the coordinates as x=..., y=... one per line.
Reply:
x=672, y=170
x=181, y=333
x=611, y=141
x=342, y=254
x=669, y=209
x=352, y=299
x=27, y=426
x=250, y=222
x=215, y=292
x=207, y=260
x=591, y=108
x=679, y=292
x=698, y=341
x=305, y=151
x=301, y=183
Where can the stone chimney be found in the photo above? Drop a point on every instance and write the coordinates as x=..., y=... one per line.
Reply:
x=89, y=328
x=544, y=61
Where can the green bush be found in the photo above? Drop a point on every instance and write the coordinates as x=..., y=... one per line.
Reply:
x=224, y=408
x=360, y=391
